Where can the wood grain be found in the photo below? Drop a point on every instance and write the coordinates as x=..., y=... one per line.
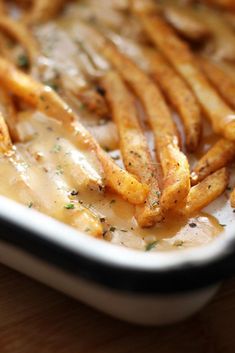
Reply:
x=36, y=319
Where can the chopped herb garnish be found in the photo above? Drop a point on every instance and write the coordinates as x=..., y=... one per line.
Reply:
x=74, y=193
x=112, y=229
x=192, y=225
x=30, y=205
x=178, y=243
x=69, y=206
x=87, y=230
x=81, y=106
x=102, y=219
x=151, y=246
x=124, y=230
x=56, y=148
x=59, y=170
x=155, y=204
x=42, y=98
x=112, y=202
x=23, y=61
x=100, y=90
x=223, y=225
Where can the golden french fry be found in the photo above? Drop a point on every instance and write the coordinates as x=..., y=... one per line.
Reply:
x=2, y=7
x=206, y=191
x=19, y=32
x=179, y=95
x=5, y=140
x=9, y=112
x=217, y=157
x=232, y=198
x=48, y=102
x=220, y=79
x=186, y=24
x=134, y=148
x=174, y=163
x=44, y=10
x=227, y=4
x=222, y=117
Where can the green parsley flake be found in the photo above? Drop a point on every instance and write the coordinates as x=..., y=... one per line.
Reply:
x=69, y=206
x=23, y=61
x=56, y=148
x=151, y=246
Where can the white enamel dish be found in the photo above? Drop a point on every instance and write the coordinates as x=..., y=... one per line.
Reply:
x=145, y=288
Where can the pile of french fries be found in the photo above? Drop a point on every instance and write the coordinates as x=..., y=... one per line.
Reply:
x=140, y=92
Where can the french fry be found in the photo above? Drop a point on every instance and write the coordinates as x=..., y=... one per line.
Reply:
x=220, y=79
x=19, y=32
x=217, y=157
x=232, y=198
x=222, y=117
x=9, y=112
x=48, y=102
x=134, y=148
x=43, y=10
x=174, y=163
x=227, y=4
x=5, y=140
x=179, y=95
x=2, y=7
x=186, y=24
x=207, y=191
x=173, y=86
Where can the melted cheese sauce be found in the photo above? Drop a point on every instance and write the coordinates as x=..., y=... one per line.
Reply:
x=52, y=171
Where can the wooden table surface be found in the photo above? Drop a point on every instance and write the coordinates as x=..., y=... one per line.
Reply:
x=37, y=319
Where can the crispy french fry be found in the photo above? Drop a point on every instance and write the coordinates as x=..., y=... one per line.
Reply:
x=179, y=95
x=18, y=31
x=174, y=163
x=5, y=140
x=227, y=4
x=9, y=112
x=207, y=191
x=44, y=10
x=48, y=102
x=2, y=7
x=232, y=198
x=222, y=117
x=220, y=79
x=189, y=26
x=134, y=147
x=217, y=157
x=173, y=86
